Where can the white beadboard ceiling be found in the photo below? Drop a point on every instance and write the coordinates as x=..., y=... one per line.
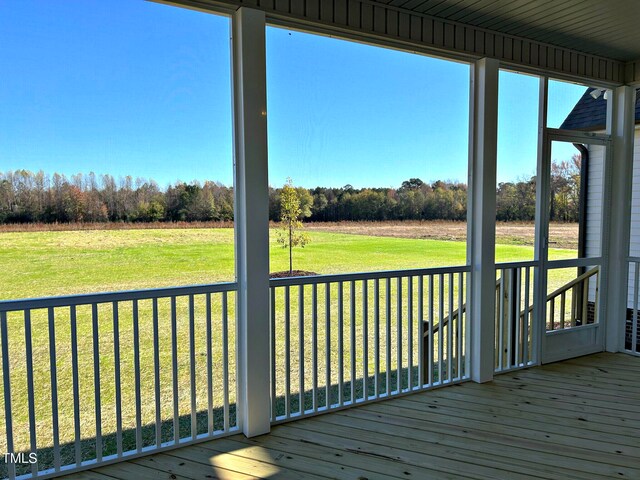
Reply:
x=609, y=28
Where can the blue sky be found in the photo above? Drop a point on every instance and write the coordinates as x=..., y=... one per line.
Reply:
x=129, y=87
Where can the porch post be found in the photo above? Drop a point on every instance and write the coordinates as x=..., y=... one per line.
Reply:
x=482, y=216
x=251, y=219
x=621, y=116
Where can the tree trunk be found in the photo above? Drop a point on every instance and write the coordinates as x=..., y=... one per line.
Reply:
x=290, y=250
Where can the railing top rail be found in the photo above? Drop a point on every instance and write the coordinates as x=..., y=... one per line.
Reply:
x=574, y=262
x=633, y=259
x=506, y=265
x=346, y=277
x=106, y=297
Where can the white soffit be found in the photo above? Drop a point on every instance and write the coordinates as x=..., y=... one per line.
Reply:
x=608, y=28
x=596, y=41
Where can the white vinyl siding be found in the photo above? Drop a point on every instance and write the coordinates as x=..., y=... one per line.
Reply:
x=594, y=201
x=634, y=246
x=595, y=192
x=595, y=204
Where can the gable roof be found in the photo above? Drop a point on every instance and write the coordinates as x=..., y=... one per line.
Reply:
x=591, y=113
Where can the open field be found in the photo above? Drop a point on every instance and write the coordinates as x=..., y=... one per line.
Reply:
x=44, y=263
x=41, y=263
x=511, y=233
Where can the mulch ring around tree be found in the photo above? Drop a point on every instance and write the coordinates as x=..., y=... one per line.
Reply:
x=294, y=273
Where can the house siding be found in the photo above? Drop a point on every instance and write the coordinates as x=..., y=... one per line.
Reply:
x=595, y=194
x=595, y=205
x=634, y=242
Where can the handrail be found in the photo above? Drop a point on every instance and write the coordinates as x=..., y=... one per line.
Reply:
x=455, y=314
x=105, y=297
x=572, y=283
x=508, y=265
x=144, y=294
x=347, y=277
x=566, y=287
x=445, y=320
x=550, y=297
x=574, y=262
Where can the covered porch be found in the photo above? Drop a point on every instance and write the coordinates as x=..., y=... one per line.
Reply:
x=485, y=369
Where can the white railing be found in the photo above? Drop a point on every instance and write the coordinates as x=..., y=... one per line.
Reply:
x=632, y=321
x=353, y=338
x=93, y=379
x=99, y=378
x=514, y=316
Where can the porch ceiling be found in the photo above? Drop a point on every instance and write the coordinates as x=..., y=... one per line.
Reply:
x=608, y=28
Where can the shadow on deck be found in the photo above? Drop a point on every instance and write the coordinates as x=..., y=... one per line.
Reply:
x=575, y=419
x=87, y=446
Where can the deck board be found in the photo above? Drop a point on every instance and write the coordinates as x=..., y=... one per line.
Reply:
x=574, y=419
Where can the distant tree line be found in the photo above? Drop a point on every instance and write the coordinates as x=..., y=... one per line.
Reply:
x=28, y=197
x=413, y=200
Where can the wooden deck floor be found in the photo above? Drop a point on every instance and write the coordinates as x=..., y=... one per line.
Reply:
x=576, y=419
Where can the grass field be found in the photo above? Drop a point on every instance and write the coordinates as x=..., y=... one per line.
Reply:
x=45, y=263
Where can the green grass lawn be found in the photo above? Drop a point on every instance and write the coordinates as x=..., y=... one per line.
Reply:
x=61, y=263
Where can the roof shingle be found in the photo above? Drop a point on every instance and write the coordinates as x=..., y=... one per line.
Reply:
x=591, y=113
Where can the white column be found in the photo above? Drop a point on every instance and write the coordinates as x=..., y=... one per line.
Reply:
x=538, y=325
x=252, y=219
x=482, y=216
x=616, y=248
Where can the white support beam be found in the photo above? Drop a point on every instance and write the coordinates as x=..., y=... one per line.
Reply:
x=482, y=216
x=621, y=116
x=542, y=225
x=252, y=219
